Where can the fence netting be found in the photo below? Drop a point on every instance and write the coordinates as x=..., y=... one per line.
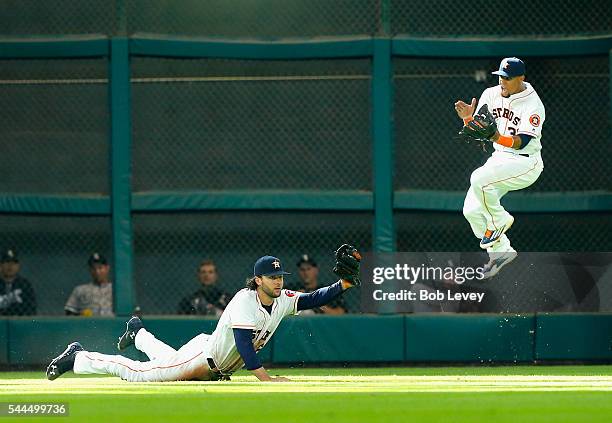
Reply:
x=55, y=126
x=227, y=124
x=170, y=247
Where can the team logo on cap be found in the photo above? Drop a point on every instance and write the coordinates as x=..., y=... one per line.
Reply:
x=276, y=264
x=507, y=65
x=534, y=120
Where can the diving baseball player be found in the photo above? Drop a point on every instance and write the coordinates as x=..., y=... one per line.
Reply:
x=510, y=116
x=246, y=325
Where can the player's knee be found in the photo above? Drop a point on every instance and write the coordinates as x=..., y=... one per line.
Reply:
x=477, y=180
x=470, y=211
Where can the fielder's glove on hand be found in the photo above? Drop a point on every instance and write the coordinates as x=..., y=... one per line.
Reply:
x=347, y=265
x=479, y=130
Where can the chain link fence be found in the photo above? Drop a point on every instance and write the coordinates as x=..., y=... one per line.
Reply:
x=53, y=253
x=439, y=18
x=263, y=18
x=221, y=124
x=55, y=126
x=449, y=231
x=238, y=18
x=210, y=124
x=575, y=156
x=169, y=248
x=301, y=18
x=58, y=17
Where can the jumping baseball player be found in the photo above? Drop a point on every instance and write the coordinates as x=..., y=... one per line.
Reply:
x=246, y=325
x=510, y=117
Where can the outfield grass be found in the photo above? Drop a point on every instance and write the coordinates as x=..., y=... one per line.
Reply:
x=516, y=394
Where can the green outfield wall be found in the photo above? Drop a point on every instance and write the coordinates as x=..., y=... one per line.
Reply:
x=142, y=147
x=312, y=340
x=139, y=129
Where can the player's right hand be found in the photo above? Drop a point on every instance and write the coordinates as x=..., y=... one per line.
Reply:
x=465, y=110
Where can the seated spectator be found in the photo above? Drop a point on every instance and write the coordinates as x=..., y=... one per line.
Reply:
x=308, y=272
x=209, y=299
x=94, y=298
x=16, y=294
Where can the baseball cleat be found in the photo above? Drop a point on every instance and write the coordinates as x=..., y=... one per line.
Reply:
x=63, y=362
x=496, y=263
x=491, y=237
x=132, y=327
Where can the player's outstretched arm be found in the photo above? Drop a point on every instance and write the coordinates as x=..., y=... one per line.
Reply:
x=321, y=296
x=244, y=345
x=348, y=261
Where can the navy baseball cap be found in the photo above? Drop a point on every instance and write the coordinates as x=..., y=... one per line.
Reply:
x=268, y=266
x=9, y=255
x=305, y=258
x=511, y=67
x=96, y=258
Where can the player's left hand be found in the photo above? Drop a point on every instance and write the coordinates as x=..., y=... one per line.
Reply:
x=348, y=261
x=279, y=379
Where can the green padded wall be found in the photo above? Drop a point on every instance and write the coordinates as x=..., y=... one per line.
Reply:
x=469, y=338
x=351, y=338
x=3, y=341
x=574, y=337
x=316, y=339
x=38, y=341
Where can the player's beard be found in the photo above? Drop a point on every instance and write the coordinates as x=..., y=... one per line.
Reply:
x=270, y=292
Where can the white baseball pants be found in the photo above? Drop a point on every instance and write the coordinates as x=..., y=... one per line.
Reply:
x=167, y=364
x=501, y=173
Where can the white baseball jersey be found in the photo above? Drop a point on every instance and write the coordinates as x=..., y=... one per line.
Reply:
x=245, y=311
x=521, y=113
x=165, y=363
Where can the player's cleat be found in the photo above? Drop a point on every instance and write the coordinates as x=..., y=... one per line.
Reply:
x=491, y=237
x=132, y=327
x=496, y=263
x=63, y=362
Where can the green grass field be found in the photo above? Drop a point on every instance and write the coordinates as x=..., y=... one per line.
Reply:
x=515, y=394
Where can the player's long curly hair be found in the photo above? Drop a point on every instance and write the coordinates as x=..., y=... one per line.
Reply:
x=251, y=283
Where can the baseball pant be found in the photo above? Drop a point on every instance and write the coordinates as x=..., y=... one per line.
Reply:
x=167, y=364
x=502, y=172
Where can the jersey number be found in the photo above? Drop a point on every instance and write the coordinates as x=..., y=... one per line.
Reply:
x=259, y=344
x=512, y=131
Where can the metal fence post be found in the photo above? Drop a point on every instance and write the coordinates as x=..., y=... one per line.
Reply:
x=384, y=234
x=123, y=289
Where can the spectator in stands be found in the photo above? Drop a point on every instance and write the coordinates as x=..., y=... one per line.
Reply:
x=308, y=272
x=94, y=298
x=209, y=299
x=16, y=294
